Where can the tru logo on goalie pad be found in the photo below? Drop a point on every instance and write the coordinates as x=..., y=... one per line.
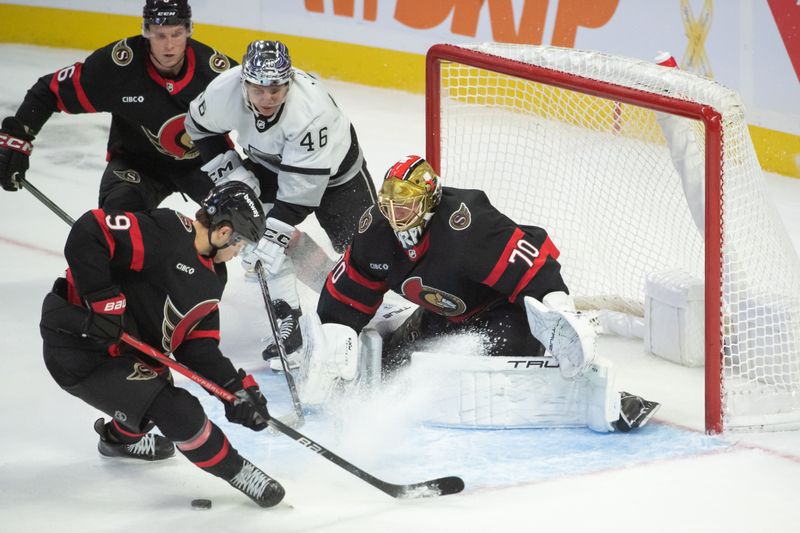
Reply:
x=544, y=362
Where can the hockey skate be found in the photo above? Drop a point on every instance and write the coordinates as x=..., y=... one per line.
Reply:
x=149, y=448
x=257, y=485
x=634, y=411
x=289, y=331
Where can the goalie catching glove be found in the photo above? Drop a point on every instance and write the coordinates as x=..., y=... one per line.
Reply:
x=563, y=332
x=271, y=249
x=250, y=407
x=15, y=150
x=228, y=167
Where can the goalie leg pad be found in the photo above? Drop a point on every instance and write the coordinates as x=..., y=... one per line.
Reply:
x=512, y=392
x=603, y=403
x=338, y=362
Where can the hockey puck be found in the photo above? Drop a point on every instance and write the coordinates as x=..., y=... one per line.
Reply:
x=201, y=504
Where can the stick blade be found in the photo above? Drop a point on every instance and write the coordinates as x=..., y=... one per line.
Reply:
x=428, y=489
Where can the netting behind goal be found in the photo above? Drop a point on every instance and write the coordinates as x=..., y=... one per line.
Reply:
x=568, y=140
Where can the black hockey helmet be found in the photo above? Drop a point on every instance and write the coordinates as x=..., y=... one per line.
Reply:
x=166, y=13
x=236, y=204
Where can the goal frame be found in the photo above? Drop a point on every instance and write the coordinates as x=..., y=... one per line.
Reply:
x=709, y=116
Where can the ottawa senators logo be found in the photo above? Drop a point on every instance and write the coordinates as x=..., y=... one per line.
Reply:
x=129, y=175
x=177, y=326
x=186, y=222
x=365, y=220
x=141, y=373
x=219, y=62
x=461, y=219
x=122, y=54
x=172, y=139
x=434, y=300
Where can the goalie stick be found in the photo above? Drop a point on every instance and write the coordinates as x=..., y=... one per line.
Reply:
x=273, y=324
x=435, y=487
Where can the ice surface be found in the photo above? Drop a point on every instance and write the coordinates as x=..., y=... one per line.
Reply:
x=668, y=477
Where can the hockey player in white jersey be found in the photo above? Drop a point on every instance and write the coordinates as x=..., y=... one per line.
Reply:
x=303, y=156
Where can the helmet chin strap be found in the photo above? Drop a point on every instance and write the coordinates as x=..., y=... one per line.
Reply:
x=214, y=247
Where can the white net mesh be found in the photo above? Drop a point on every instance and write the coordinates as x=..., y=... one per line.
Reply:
x=598, y=175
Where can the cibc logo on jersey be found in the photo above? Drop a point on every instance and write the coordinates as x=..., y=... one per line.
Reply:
x=185, y=268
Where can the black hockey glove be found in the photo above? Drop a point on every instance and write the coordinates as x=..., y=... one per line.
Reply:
x=105, y=322
x=15, y=149
x=250, y=407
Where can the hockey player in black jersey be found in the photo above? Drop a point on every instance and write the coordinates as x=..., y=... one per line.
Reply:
x=469, y=268
x=146, y=82
x=159, y=276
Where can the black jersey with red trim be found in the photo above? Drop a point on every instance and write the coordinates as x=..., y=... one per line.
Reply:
x=147, y=110
x=470, y=257
x=172, y=292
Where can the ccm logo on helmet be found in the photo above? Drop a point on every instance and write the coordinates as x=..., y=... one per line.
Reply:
x=184, y=268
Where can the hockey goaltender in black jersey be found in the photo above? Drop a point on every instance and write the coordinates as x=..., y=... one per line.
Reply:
x=158, y=276
x=450, y=251
x=149, y=153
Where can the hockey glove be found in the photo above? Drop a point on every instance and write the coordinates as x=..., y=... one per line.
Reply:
x=250, y=407
x=271, y=249
x=15, y=150
x=105, y=322
x=564, y=333
x=228, y=167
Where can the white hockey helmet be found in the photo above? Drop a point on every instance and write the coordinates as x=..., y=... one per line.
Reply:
x=267, y=63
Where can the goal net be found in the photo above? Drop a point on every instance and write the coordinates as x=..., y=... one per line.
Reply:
x=570, y=140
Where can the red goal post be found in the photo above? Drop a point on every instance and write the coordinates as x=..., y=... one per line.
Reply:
x=536, y=127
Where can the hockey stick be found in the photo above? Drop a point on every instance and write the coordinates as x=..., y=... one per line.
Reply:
x=46, y=201
x=273, y=324
x=435, y=487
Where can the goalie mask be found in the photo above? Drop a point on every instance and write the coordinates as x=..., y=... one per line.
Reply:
x=410, y=192
x=166, y=13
